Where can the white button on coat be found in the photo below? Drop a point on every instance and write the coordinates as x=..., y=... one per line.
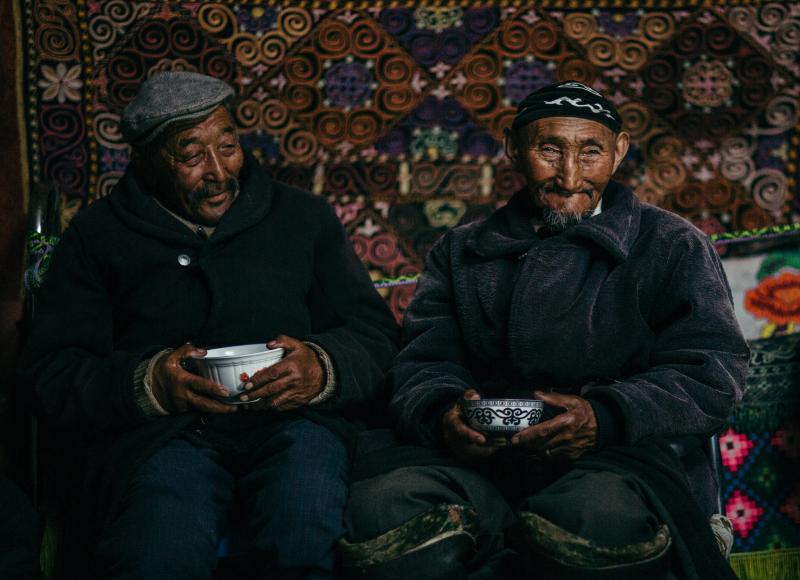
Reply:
x=184, y=259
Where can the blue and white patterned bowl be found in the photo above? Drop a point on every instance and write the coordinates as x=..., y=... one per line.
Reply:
x=500, y=417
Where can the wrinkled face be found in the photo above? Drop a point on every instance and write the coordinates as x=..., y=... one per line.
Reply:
x=567, y=163
x=200, y=166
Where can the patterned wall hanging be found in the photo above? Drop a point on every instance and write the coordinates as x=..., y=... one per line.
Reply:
x=395, y=112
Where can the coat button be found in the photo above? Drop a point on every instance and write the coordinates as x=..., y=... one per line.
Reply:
x=184, y=259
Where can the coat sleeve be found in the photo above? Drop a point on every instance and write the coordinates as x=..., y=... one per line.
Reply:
x=350, y=321
x=80, y=382
x=699, y=360
x=430, y=372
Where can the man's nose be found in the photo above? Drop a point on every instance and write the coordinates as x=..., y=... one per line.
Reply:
x=214, y=171
x=569, y=176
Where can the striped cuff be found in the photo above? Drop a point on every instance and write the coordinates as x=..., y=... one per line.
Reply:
x=329, y=385
x=143, y=386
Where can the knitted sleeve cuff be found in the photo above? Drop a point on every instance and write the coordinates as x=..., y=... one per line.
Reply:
x=143, y=386
x=609, y=425
x=329, y=382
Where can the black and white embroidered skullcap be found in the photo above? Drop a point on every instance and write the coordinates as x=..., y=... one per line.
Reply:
x=567, y=99
x=168, y=98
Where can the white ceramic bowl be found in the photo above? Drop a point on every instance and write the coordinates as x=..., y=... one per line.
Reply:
x=502, y=417
x=232, y=366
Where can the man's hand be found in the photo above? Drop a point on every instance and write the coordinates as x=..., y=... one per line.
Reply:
x=566, y=436
x=178, y=391
x=288, y=384
x=464, y=442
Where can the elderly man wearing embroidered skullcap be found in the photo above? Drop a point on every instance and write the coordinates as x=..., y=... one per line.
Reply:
x=196, y=247
x=614, y=313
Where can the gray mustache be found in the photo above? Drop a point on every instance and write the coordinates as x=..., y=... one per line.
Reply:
x=206, y=190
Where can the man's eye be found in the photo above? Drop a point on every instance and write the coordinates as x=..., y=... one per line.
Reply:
x=192, y=159
x=591, y=152
x=549, y=150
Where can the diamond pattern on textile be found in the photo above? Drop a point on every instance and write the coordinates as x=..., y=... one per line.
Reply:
x=734, y=448
x=743, y=512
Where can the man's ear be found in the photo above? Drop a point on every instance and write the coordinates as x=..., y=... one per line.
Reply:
x=510, y=146
x=620, y=149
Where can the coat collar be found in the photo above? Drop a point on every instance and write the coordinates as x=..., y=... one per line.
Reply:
x=508, y=231
x=140, y=210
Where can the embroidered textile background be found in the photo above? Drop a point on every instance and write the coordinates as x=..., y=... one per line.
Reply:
x=395, y=113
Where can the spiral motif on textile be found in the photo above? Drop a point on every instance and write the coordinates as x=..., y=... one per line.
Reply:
x=393, y=69
x=331, y=125
x=756, y=94
x=690, y=40
x=754, y=217
x=368, y=41
x=514, y=39
x=106, y=182
x=152, y=40
x=717, y=125
x=107, y=131
x=333, y=39
x=579, y=26
x=481, y=97
x=395, y=100
x=362, y=125
x=273, y=47
x=577, y=69
x=67, y=171
x=665, y=148
x=719, y=194
x=426, y=179
x=648, y=193
x=690, y=197
x=56, y=35
x=183, y=39
x=661, y=71
x=752, y=68
x=217, y=19
x=783, y=113
x=661, y=98
x=302, y=98
x=770, y=189
x=217, y=64
x=299, y=146
x=464, y=182
x=788, y=34
x=667, y=174
x=506, y=181
x=720, y=39
x=657, y=26
x=294, y=22
x=736, y=169
x=396, y=21
x=381, y=177
x=736, y=148
x=340, y=180
x=633, y=54
x=602, y=51
x=275, y=116
x=482, y=66
x=303, y=68
x=61, y=128
x=635, y=119
x=383, y=249
x=248, y=113
x=246, y=49
x=545, y=39
x=741, y=17
x=770, y=16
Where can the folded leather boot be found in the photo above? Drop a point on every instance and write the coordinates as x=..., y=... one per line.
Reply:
x=550, y=551
x=435, y=544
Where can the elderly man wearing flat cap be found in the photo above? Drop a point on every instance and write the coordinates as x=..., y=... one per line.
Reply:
x=614, y=313
x=196, y=247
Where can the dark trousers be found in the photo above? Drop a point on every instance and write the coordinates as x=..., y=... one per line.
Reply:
x=19, y=534
x=601, y=507
x=178, y=507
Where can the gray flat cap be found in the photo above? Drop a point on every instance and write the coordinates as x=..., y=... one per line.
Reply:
x=170, y=97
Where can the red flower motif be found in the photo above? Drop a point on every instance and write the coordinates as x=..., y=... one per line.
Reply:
x=743, y=513
x=792, y=507
x=788, y=441
x=776, y=298
x=734, y=448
